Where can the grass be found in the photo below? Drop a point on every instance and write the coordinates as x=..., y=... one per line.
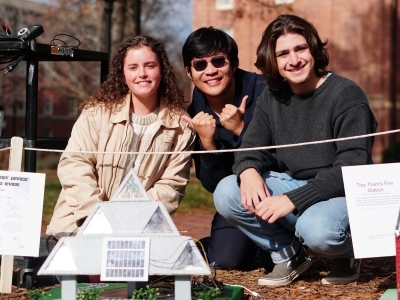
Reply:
x=51, y=191
x=196, y=200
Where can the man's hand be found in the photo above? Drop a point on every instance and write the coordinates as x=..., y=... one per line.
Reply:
x=232, y=117
x=204, y=125
x=252, y=189
x=272, y=208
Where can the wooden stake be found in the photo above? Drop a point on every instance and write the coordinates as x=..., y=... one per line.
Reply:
x=7, y=261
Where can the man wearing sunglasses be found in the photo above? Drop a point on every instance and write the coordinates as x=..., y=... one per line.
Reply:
x=222, y=106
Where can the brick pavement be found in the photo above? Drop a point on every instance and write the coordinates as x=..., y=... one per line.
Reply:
x=197, y=226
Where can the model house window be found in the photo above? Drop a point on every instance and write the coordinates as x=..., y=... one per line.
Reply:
x=223, y=4
x=277, y=2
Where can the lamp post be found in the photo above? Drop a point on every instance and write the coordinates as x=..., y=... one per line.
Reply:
x=108, y=12
x=137, y=20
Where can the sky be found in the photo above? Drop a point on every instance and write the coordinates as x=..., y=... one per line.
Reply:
x=184, y=20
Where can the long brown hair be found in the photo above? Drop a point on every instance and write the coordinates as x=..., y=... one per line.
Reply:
x=284, y=24
x=112, y=92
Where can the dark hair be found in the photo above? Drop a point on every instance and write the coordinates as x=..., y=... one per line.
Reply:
x=284, y=24
x=207, y=41
x=112, y=92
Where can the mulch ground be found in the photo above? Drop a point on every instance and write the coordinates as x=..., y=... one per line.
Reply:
x=377, y=275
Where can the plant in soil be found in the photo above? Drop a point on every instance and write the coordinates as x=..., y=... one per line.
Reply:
x=207, y=293
x=37, y=294
x=147, y=293
x=90, y=294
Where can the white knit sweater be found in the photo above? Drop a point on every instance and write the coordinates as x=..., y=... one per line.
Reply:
x=142, y=127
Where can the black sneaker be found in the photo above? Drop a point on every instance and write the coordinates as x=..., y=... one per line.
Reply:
x=343, y=270
x=285, y=273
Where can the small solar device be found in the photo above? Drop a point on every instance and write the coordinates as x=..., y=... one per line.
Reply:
x=127, y=239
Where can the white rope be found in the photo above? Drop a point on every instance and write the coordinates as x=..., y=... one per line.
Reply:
x=230, y=150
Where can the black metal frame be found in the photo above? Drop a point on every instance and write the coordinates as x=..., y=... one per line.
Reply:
x=40, y=52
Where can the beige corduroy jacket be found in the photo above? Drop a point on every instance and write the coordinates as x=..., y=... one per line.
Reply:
x=87, y=178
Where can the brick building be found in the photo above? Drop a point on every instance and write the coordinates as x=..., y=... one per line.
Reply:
x=362, y=43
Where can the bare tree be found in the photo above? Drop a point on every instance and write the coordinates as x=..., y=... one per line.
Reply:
x=81, y=23
x=125, y=21
x=165, y=20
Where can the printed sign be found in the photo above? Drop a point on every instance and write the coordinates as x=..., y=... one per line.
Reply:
x=373, y=201
x=21, y=205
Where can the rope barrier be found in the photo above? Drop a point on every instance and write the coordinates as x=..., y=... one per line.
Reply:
x=225, y=150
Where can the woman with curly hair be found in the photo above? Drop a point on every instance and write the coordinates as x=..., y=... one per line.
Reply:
x=136, y=110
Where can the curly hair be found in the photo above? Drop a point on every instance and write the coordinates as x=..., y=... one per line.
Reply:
x=284, y=24
x=113, y=90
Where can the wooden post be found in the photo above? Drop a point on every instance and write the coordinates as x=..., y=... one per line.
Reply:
x=7, y=261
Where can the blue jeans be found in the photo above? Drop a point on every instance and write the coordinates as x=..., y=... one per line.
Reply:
x=323, y=227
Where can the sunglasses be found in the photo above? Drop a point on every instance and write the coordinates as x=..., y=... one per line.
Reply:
x=201, y=64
